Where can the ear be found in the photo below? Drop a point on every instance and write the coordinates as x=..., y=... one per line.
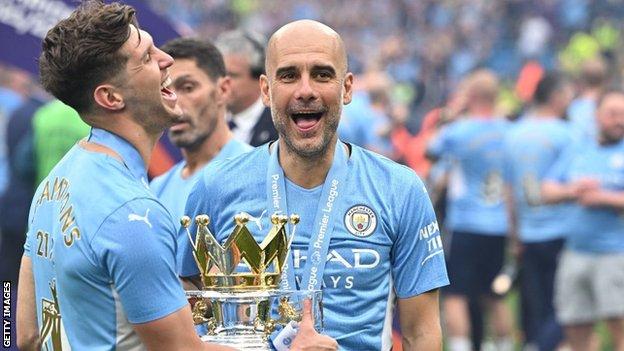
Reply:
x=108, y=97
x=224, y=90
x=264, y=90
x=348, y=88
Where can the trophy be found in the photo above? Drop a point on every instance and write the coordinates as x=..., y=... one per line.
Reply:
x=240, y=304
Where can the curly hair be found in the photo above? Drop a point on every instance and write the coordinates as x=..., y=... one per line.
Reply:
x=82, y=51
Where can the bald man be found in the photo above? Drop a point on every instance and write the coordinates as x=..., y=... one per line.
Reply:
x=368, y=236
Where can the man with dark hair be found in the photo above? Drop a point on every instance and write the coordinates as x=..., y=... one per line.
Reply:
x=531, y=147
x=98, y=270
x=589, y=283
x=243, y=53
x=368, y=235
x=199, y=80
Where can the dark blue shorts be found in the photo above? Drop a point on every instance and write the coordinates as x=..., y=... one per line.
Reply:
x=473, y=262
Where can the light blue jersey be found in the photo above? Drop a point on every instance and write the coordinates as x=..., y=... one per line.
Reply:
x=531, y=147
x=595, y=229
x=474, y=149
x=102, y=249
x=385, y=242
x=582, y=116
x=172, y=190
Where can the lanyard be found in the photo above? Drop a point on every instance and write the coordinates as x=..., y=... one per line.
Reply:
x=323, y=220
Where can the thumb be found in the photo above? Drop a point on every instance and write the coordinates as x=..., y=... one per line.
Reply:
x=307, y=321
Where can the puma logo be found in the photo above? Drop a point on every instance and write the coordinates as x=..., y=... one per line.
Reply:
x=135, y=217
x=257, y=220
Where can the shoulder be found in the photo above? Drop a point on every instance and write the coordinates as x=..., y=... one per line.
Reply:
x=383, y=172
x=158, y=183
x=242, y=167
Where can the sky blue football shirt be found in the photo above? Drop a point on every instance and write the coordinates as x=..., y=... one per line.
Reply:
x=102, y=248
x=398, y=253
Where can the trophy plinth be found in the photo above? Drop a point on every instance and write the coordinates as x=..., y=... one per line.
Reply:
x=240, y=303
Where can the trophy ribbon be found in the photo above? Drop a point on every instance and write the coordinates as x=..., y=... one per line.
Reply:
x=323, y=221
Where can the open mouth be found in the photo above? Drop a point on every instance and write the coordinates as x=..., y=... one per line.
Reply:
x=167, y=93
x=305, y=121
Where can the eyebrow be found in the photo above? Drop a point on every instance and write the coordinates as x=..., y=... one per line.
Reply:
x=316, y=67
x=181, y=79
x=281, y=70
x=329, y=68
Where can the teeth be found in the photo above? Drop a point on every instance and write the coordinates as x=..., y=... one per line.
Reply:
x=166, y=83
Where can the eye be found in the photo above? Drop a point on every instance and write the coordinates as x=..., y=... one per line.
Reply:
x=148, y=57
x=323, y=75
x=288, y=76
x=185, y=88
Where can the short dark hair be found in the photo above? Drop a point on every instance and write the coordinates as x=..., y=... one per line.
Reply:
x=207, y=57
x=83, y=50
x=549, y=84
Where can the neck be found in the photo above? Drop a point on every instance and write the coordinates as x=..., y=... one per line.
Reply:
x=481, y=111
x=125, y=127
x=307, y=172
x=546, y=111
x=209, y=149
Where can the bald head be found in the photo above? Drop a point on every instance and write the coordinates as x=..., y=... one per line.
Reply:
x=307, y=35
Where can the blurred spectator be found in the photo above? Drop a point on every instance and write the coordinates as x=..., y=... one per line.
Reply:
x=249, y=120
x=15, y=202
x=56, y=128
x=589, y=281
x=476, y=213
x=582, y=111
x=532, y=146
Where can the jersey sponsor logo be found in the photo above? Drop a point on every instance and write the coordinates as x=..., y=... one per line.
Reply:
x=350, y=259
x=360, y=221
x=431, y=235
x=135, y=217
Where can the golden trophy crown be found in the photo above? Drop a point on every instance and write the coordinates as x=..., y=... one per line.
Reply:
x=262, y=264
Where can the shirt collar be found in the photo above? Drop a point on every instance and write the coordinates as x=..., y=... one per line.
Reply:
x=129, y=154
x=248, y=118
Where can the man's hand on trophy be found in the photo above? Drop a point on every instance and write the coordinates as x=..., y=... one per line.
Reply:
x=307, y=338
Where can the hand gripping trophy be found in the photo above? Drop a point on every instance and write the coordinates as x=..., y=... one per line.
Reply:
x=241, y=303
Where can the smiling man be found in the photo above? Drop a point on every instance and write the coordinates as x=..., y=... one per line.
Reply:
x=98, y=271
x=368, y=235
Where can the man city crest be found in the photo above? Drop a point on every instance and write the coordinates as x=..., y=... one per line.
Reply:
x=360, y=221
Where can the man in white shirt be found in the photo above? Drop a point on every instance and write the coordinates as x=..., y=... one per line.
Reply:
x=249, y=120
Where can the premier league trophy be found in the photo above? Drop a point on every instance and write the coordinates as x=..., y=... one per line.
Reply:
x=240, y=304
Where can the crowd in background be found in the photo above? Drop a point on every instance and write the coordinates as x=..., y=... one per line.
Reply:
x=412, y=61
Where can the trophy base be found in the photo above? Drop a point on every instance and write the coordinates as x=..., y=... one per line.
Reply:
x=245, y=319
x=251, y=341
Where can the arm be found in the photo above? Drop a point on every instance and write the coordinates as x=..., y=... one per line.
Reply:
x=420, y=322
x=554, y=192
x=173, y=332
x=27, y=329
x=512, y=218
x=602, y=198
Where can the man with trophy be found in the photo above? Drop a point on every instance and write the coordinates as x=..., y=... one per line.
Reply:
x=366, y=235
x=98, y=270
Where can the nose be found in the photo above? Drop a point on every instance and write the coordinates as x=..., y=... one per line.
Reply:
x=164, y=59
x=305, y=90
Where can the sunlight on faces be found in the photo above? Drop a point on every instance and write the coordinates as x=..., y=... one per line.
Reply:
x=200, y=99
x=144, y=85
x=610, y=117
x=306, y=85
